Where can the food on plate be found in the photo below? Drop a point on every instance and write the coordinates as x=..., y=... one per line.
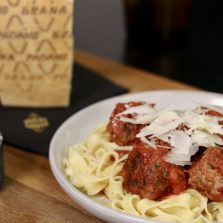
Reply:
x=206, y=174
x=121, y=132
x=159, y=164
x=147, y=174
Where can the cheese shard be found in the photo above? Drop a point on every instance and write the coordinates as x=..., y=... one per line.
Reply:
x=36, y=52
x=141, y=114
x=164, y=122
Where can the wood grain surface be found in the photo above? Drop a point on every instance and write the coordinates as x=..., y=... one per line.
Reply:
x=30, y=193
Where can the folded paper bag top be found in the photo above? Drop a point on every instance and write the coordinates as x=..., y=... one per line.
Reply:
x=36, y=52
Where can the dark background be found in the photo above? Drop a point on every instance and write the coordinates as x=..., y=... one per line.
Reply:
x=180, y=39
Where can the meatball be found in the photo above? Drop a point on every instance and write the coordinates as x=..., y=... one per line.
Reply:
x=147, y=174
x=206, y=174
x=120, y=132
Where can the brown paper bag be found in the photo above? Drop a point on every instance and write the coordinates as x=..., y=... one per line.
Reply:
x=36, y=52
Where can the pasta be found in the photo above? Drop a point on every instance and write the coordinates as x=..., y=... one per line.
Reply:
x=94, y=167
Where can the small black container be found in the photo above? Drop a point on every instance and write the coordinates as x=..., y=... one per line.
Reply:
x=1, y=161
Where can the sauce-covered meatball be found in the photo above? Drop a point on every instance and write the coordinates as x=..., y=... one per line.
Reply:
x=206, y=174
x=123, y=133
x=147, y=174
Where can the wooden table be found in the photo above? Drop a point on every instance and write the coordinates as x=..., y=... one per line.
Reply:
x=31, y=194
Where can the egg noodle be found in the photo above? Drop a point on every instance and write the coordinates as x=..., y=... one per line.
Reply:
x=94, y=166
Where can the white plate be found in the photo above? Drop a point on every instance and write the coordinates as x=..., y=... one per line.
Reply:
x=78, y=126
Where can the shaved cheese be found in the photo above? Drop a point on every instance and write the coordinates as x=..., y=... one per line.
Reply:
x=176, y=158
x=140, y=109
x=165, y=122
x=148, y=142
x=182, y=163
x=140, y=119
x=206, y=139
x=181, y=141
x=200, y=129
x=179, y=159
x=202, y=122
x=166, y=137
x=142, y=114
x=194, y=148
x=206, y=108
